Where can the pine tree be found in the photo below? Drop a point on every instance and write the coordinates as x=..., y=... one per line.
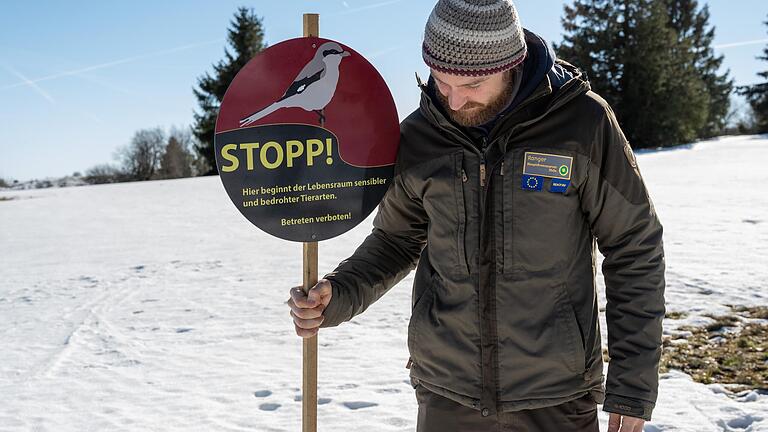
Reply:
x=757, y=96
x=694, y=32
x=592, y=42
x=638, y=66
x=176, y=161
x=246, y=39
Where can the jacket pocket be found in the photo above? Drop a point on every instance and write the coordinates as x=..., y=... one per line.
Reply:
x=574, y=336
x=442, y=192
x=544, y=228
x=541, y=353
x=461, y=213
x=419, y=318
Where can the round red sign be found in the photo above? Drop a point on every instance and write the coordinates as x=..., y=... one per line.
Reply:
x=306, y=139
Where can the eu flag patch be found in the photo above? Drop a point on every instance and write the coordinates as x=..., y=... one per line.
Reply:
x=559, y=186
x=532, y=183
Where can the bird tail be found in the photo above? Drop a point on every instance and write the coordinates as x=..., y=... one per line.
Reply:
x=260, y=114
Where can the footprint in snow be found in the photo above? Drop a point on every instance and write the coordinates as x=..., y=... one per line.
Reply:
x=387, y=390
x=741, y=422
x=269, y=406
x=262, y=393
x=359, y=405
x=397, y=421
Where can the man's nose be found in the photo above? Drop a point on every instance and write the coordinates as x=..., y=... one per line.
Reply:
x=456, y=100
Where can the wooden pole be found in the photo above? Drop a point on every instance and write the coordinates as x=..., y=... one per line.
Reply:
x=309, y=368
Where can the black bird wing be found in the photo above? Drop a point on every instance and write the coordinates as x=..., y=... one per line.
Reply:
x=300, y=85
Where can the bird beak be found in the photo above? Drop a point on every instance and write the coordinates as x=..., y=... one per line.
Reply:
x=345, y=54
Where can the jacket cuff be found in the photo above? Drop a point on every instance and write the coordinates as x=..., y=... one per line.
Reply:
x=332, y=312
x=627, y=406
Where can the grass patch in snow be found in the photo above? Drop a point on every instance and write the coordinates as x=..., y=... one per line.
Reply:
x=6, y=198
x=675, y=315
x=733, y=349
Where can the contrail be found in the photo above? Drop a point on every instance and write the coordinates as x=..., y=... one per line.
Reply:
x=362, y=8
x=735, y=44
x=382, y=52
x=27, y=81
x=108, y=64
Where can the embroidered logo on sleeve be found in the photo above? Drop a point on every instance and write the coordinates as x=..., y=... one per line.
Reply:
x=630, y=155
x=548, y=165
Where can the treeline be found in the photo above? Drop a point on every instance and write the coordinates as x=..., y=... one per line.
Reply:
x=152, y=154
x=654, y=63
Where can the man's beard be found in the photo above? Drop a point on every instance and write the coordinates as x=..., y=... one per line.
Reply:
x=474, y=113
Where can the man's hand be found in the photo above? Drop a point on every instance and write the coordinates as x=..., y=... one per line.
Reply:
x=627, y=423
x=307, y=310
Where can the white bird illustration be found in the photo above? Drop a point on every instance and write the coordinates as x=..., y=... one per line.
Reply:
x=313, y=87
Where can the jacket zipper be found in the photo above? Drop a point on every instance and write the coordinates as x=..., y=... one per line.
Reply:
x=482, y=163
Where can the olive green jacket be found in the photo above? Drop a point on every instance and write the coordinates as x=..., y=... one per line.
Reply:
x=505, y=310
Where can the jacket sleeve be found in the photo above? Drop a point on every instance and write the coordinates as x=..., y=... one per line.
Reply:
x=384, y=258
x=629, y=235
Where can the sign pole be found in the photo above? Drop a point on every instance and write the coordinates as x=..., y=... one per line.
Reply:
x=317, y=175
x=309, y=368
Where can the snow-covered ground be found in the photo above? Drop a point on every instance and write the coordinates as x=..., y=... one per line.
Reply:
x=156, y=306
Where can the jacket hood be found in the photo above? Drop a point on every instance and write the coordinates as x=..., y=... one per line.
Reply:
x=545, y=78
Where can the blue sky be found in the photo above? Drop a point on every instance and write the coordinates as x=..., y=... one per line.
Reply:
x=78, y=78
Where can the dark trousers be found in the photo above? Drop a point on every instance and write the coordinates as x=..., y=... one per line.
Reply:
x=439, y=414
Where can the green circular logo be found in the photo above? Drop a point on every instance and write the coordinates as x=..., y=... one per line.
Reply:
x=563, y=170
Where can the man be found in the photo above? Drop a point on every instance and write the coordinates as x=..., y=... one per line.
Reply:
x=508, y=175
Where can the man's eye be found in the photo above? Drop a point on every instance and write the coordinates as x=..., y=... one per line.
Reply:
x=474, y=86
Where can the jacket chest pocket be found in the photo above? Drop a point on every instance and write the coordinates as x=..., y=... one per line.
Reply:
x=542, y=219
x=443, y=198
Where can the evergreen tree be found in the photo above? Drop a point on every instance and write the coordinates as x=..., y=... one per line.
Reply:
x=757, y=95
x=176, y=161
x=694, y=32
x=592, y=43
x=246, y=39
x=634, y=60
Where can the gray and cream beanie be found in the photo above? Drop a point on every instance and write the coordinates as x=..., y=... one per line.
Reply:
x=473, y=37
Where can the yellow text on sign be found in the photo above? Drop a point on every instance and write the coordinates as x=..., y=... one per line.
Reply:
x=272, y=154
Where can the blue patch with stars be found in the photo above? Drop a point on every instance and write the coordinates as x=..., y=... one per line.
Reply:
x=532, y=183
x=559, y=186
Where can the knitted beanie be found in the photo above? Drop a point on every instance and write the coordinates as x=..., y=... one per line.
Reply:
x=473, y=37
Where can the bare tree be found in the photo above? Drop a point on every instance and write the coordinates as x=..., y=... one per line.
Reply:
x=141, y=158
x=104, y=173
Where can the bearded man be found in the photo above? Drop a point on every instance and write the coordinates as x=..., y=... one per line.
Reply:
x=509, y=175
